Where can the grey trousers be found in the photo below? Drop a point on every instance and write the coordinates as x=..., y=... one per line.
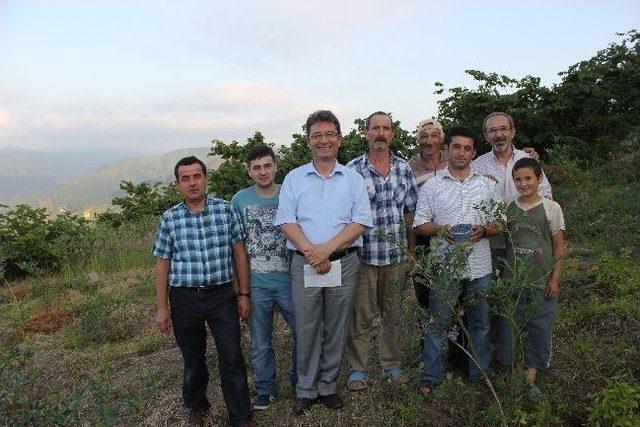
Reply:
x=322, y=327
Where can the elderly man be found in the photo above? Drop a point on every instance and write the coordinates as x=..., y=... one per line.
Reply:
x=432, y=156
x=197, y=242
x=497, y=164
x=500, y=131
x=393, y=195
x=323, y=211
x=449, y=199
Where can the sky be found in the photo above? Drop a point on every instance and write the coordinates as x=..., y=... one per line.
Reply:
x=154, y=76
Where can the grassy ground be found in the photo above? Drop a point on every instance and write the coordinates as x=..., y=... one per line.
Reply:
x=81, y=348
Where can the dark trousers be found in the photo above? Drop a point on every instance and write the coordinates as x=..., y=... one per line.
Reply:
x=217, y=308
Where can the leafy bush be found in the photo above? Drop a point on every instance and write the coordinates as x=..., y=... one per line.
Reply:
x=616, y=404
x=31, y=243
x=141, y=200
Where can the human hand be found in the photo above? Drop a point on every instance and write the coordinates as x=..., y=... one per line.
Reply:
x=553, y=289
x=532, y=153
x=323, y=268
x=163, y=320
x=244, y=307
x=478, y=232
x=448, y=236
x=318, y=254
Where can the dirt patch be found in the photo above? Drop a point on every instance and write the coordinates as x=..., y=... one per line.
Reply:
x=47, y=321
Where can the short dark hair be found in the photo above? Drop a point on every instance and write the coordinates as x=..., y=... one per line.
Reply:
x=367, y=121
x=258, y=152
x=190, y=160
x=528, y=162
x=463, y=131
x=321, y=116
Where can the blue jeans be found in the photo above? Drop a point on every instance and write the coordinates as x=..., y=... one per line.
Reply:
x=477, y=310
x=536, y=335
x=263, y=303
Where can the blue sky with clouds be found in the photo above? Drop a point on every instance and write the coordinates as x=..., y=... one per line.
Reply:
x=153, y=76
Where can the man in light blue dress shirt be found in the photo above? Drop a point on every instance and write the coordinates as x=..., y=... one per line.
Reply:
x=323, y=211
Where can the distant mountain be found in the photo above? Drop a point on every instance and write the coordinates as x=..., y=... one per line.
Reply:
x=92, y=191
x=25, y=171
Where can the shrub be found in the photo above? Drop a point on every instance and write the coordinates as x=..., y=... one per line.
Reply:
x=31, y=243
x=616, y=404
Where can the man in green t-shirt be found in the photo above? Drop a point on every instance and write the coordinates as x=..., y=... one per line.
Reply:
x=270, y=281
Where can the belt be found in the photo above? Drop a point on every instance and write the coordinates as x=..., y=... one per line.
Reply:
x=338, y=254
x=204, y=289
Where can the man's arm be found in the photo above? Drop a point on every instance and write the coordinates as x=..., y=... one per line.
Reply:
x=241, y=264
x=491, y=229
x=318, y=254
x=559, y=251
x=163, y=320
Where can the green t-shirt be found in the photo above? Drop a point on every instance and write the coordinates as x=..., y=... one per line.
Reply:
x=268, y=256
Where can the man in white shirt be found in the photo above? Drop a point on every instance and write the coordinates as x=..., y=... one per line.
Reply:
x=500, y=131
x=448, y=199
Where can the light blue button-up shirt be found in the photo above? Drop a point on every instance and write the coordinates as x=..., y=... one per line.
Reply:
x=323, y=207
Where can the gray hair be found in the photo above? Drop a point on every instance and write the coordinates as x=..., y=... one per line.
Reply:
x=497, y=113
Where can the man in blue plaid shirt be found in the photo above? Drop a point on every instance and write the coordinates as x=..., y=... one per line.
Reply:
x=197, y=242
x=393, y=195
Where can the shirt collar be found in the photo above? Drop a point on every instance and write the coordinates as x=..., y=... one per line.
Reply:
x=447, y=174
x=310, y=168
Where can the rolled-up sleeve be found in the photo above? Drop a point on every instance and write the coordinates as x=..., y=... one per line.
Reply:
x=286, y=213
x=361, y=208
x=424, y=208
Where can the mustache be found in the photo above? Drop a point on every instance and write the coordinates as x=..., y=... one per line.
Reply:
x=380, y=139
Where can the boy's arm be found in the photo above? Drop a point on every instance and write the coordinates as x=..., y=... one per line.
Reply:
x=163, y=320
x=559, y=250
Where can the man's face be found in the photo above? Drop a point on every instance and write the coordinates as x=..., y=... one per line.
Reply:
x=526, y=181
x=430, y=140
x=499, y=133
x=461, y=152
x=262, y=171
x=192, y=183
x=324, y=140
x=380, y=133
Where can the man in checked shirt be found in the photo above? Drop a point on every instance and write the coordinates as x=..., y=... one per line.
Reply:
x=197, y=242
x=393, y=195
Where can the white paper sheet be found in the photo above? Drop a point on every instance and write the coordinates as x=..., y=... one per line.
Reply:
x=330, y=280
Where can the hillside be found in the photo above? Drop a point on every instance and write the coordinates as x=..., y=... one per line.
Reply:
x=94, y=190
x=81, y=348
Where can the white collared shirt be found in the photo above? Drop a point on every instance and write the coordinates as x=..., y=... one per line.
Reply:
x=489, y=166
x=445, y=199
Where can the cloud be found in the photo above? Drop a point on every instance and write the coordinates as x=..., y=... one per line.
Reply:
x=5, y=118
x=229, y=111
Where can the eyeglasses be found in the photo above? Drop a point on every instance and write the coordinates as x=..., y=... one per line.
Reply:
x=318, y=136
x=493, y=131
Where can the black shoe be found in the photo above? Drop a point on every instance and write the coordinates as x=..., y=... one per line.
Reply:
x=197, y=416
x=332, y=401
x=302, y=405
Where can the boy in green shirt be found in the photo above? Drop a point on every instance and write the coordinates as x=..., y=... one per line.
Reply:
x=539, y=240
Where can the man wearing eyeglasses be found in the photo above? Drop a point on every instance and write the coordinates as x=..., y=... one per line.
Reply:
x=323, y=211
x=499, y=131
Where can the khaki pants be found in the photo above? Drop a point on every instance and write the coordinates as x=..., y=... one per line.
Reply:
x=377, y=291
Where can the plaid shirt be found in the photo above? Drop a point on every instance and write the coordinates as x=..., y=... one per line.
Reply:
x=391, y=198
x=199, y=245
